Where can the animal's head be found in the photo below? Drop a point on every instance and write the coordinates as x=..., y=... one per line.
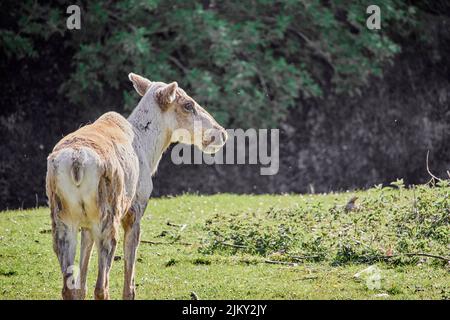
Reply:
x=186, y=120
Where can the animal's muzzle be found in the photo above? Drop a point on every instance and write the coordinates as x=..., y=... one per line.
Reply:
x=214, y=140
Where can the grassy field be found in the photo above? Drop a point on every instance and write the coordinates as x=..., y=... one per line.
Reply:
x=260, y=247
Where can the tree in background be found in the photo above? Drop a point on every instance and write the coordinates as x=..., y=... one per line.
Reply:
x=247, y=61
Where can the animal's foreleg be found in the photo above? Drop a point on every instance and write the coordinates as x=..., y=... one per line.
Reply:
x=130, y=246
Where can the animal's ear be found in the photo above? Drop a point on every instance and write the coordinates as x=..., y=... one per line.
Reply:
x=141, y=84
x=167, y=94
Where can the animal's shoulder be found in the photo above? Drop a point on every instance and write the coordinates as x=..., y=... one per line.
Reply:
x=113, y=119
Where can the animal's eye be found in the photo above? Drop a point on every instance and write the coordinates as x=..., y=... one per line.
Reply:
x=189, y=106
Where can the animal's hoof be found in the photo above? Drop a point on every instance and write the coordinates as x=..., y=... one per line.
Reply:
x=73, y=294
x=101, y=294
x=129, y=295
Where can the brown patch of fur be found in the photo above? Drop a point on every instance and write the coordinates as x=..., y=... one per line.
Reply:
x=128, y=219
x=101, y=136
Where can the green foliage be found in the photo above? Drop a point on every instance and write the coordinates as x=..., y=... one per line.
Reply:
x=17, y=45
x=385, y=225
x=247, y=62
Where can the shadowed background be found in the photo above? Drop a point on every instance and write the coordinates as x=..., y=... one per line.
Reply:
x=355, y=107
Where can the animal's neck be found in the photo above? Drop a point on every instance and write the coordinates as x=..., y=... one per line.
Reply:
x=151, y=137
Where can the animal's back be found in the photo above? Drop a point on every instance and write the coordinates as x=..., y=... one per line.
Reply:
x=87, y=169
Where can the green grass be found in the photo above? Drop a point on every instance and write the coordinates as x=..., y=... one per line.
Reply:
x=221, y=252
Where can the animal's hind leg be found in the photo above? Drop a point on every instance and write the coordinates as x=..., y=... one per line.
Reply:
x=65, y=245
x=87, y=243
x=106, y=246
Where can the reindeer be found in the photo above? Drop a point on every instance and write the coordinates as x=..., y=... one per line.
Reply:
x=99, y=177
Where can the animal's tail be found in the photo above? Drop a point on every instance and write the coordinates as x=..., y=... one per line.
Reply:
x=77, y=170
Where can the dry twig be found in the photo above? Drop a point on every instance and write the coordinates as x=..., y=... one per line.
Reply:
x=291, y=264
x=239, y=246
x=418, y=254
x=303, y=257
x=429, y=172
x=165, y=243
x=181, y=226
